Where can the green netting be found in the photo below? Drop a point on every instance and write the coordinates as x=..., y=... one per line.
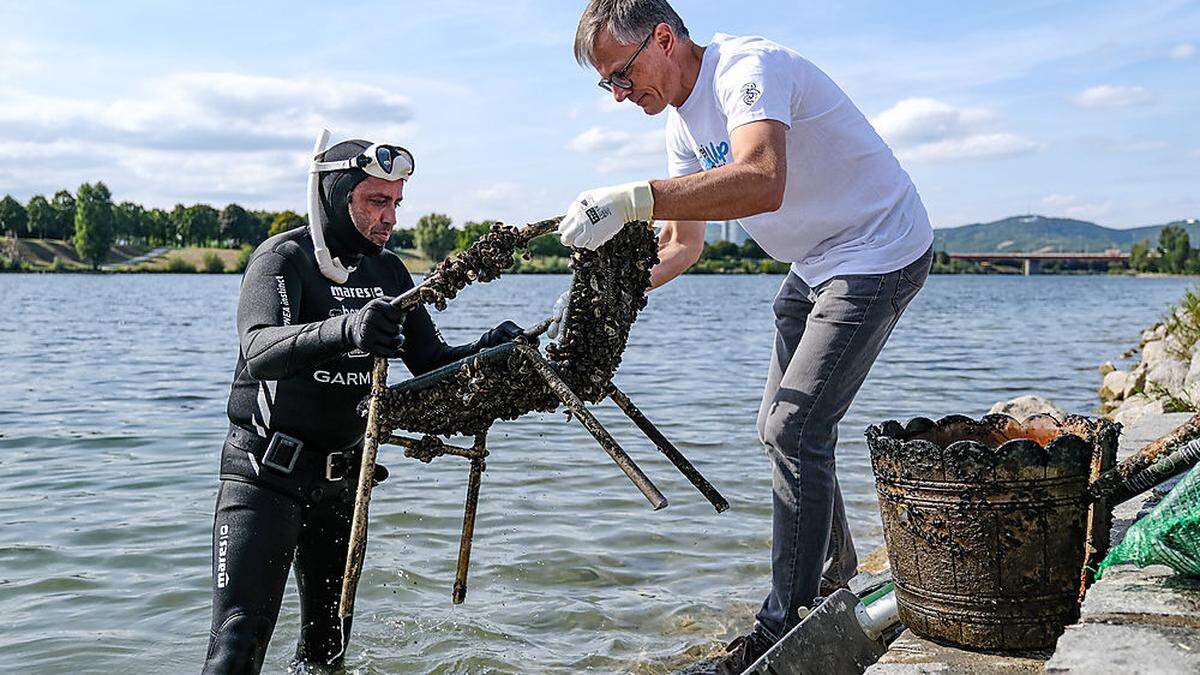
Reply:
x=1168, y=535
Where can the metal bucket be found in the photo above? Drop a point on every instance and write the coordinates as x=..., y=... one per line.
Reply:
x=986, y=522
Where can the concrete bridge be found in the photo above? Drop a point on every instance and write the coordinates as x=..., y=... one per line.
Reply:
x=1032, y=261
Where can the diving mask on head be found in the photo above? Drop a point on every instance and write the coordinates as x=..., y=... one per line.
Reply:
x=389, y=162
x=380, y=160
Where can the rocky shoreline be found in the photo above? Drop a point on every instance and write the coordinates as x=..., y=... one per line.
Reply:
x=1165, y=379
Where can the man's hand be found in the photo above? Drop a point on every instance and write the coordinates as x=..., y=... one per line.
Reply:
x=375, y=328
x=558, y=315
x=596, y=215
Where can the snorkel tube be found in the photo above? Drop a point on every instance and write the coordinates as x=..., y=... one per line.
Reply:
x=330, y=267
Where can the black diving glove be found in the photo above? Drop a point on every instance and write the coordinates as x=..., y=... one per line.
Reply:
x=505, y=332
x=376, y=328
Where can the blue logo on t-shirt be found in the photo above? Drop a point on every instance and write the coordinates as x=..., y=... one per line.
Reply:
x=713, y=155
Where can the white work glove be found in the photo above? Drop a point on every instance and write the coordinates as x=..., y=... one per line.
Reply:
x=596, y=215
x=558, y=315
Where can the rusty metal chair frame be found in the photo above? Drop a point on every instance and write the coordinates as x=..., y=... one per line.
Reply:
x=428, y=447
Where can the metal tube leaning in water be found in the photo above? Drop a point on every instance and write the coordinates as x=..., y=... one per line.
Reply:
x=573, y=403
x=468, y=527
x=362, y=497
x=666, y=447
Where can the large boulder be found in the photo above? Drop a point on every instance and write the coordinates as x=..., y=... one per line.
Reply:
x=1193, y=374
x=1156, y=332
x=1137, y=407
x=1153, y=352
x=1023, y=407
x=1115, y=384
x=1167, y=375
x=1106, y=368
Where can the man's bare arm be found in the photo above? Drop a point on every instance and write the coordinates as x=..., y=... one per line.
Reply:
x=753, y=183
x=679, y=247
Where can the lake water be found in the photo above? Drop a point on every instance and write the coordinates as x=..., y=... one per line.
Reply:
x=113, y=397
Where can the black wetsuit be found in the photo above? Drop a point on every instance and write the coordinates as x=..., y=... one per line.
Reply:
x=298, y=374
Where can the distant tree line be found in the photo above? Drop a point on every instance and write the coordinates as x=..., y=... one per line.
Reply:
x=1173, y=254
x=435, y=238
x=95, y=223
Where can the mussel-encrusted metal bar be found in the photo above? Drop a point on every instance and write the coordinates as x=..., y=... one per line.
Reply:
x=478, y=466
x=362, y=497
x=427, y=448
x=666, y=447
x=575, y=404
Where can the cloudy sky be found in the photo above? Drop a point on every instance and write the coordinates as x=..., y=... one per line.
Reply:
x=1081, y=109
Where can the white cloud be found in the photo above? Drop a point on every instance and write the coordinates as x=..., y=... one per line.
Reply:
x=212, y=136
x=499, y=192
x=925, y=129
x=1073, y=207
x=617, y=150
x=1057, y=201
x=1112, y=96
x=1183, y=51
x=210, y=112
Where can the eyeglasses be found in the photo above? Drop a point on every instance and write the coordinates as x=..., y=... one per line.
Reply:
x=389, y=162
x=620, y=78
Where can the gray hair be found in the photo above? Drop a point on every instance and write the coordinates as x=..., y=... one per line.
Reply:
x=628, y=21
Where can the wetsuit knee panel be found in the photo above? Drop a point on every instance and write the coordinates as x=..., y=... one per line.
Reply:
x=239, y=644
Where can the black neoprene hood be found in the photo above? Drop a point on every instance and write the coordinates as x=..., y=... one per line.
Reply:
x=344, y=240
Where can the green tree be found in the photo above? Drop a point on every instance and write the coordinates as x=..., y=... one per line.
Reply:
x=402, y=237
x=284, y=221
x=178, y=228
x=434, y=237
x=93, y=223
x=471, y=232
x=1174, y=249
x=41, y=217
x=160, y=228
x=549, y=245
x=129, y=222
x=63, y=204
x=13, y=217
x=751, y=249
x=722, y=250
x=237, y=225
x=262, y=225
x=201, y=224
x=1139, y=257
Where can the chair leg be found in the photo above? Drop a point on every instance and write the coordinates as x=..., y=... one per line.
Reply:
x=666, y=447
x=362, y=497
x=478, y=466
x=589, y=421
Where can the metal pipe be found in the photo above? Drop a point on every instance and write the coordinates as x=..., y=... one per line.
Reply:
x=1155, y=463
x=468, y=530
x=876, y=618
x=666, y=447
x=362, y=497
x=573, y=403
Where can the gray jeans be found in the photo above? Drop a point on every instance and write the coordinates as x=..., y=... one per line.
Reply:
x=826, y=340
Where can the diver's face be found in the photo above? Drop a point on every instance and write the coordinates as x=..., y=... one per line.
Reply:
x=373, y=205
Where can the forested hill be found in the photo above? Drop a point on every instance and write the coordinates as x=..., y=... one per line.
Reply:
x=1039, y=233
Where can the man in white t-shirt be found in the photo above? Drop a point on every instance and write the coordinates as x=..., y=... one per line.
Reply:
x=757, y=133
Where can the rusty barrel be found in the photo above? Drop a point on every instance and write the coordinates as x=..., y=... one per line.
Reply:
x=985, y=523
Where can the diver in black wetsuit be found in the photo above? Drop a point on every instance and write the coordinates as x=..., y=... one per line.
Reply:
x=295, y=439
